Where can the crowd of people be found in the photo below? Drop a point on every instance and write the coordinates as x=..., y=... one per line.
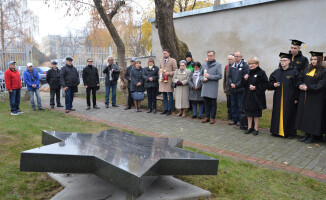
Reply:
x=299, y=101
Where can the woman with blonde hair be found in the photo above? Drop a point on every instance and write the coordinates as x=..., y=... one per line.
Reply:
x=254, y=100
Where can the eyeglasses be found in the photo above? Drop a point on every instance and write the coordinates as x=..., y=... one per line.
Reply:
x=110, y=60
x=90, y=61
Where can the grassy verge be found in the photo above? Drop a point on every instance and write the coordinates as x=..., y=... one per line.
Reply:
x=23, y=132
x=221, y=112
x=235, y=179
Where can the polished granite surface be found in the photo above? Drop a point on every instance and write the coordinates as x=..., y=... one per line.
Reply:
x=131, y=162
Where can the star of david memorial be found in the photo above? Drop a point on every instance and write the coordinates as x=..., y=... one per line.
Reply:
x=130, y=162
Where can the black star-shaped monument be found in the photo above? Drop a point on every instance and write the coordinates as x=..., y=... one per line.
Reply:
x=129, y=161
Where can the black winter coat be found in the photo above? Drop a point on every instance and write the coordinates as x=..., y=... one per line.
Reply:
x=115, y=74
x=311, y=103
x=127, y=74
x=147, y=73
x=136, y=77
x=53, y=78
x=90, y=76
x=236, y=74
x=69, y=76
x=300, y=62
x=283, y=99
x=255, y=99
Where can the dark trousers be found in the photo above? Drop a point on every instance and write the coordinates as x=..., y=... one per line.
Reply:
x=69, y=97
x=88, y=95
x=151, y=93
x=55, y=92
x=210, y=107
x=228, y=105
x=236, y=104
x=168, y=102
x=130, y=100
x=14, y=97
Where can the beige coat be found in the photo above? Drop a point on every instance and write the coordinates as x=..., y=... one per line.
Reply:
x=182, y=91
x=170, y=67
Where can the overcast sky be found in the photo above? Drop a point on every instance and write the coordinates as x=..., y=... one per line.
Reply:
x=54, y=22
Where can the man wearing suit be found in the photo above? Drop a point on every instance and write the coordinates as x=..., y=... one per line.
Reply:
x=168, y=66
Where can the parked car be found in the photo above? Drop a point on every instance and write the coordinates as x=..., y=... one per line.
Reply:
x=42, y=72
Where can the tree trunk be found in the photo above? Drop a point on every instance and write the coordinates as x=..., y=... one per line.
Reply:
x=107, y=19
x=166, y=31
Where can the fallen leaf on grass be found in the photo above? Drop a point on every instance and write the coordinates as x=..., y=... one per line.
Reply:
x=309, y=147
x=286, y=163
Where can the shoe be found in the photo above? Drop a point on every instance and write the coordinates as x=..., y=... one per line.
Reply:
x=52, y=107
x=200, y=117
x=249, y=130
x=138, y=110
x=205, y=120
x=14, y=113
x=115, y=105
x=310, y=139
x=168, y=113
x=41, y=109
x=88, y=108
x=193, y=117
x=67, y=111
x=255, y=132
x=72, y=109
x=59, y=106
x=19, y=112
x=306, y=137
x=154, y=111
x=238, y=124
x=232, y=123
x=106, y=105
x=164, y=112
x=128, y=108
x=34, y=109
x=96, y=107
x=180, y=113
x=149, y=111
x=212, y=121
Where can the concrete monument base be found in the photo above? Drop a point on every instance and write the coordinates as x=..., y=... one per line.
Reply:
x=90, y=187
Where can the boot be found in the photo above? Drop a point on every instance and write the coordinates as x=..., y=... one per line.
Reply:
x=305, y=138
x=310, y=139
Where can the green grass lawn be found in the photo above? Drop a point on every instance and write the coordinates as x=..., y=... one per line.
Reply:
x=221, y=112
x=235, y=179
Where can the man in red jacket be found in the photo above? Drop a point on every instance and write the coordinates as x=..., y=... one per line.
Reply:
x=13, y=85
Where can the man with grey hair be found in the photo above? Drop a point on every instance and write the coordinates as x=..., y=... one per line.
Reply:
x=211, y=73
x=112, y=75
x=238, y=70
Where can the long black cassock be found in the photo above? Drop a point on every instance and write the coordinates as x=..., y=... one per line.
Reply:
x=283, y=115
x=311, y=102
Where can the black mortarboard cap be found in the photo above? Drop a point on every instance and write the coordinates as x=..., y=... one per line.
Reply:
x=315, y=53
x=285, y=55
x=296, y=42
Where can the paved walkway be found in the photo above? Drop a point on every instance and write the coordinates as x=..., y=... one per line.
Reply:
x=287, y=154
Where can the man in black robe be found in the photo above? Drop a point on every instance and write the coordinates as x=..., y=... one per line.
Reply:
x=298, y=60
x=285, y=82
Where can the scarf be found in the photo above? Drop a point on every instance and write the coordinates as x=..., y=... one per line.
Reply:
x=195, y=77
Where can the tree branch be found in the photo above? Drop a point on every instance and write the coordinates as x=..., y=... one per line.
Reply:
x=116, y=8
x=85, y=3
x=193, y=6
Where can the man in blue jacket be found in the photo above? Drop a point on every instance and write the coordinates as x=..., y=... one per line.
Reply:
x=32, y=81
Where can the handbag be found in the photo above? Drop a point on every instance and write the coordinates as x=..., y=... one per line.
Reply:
x=173, y=85
x=138, y=96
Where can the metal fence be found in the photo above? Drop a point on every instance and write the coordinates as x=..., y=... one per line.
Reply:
x=21, y=54
x=80, y=56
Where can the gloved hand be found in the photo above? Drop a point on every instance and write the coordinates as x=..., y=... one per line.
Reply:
x=179, y=83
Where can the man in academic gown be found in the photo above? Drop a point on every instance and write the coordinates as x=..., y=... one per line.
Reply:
x=285, y=82
x=299, y=61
